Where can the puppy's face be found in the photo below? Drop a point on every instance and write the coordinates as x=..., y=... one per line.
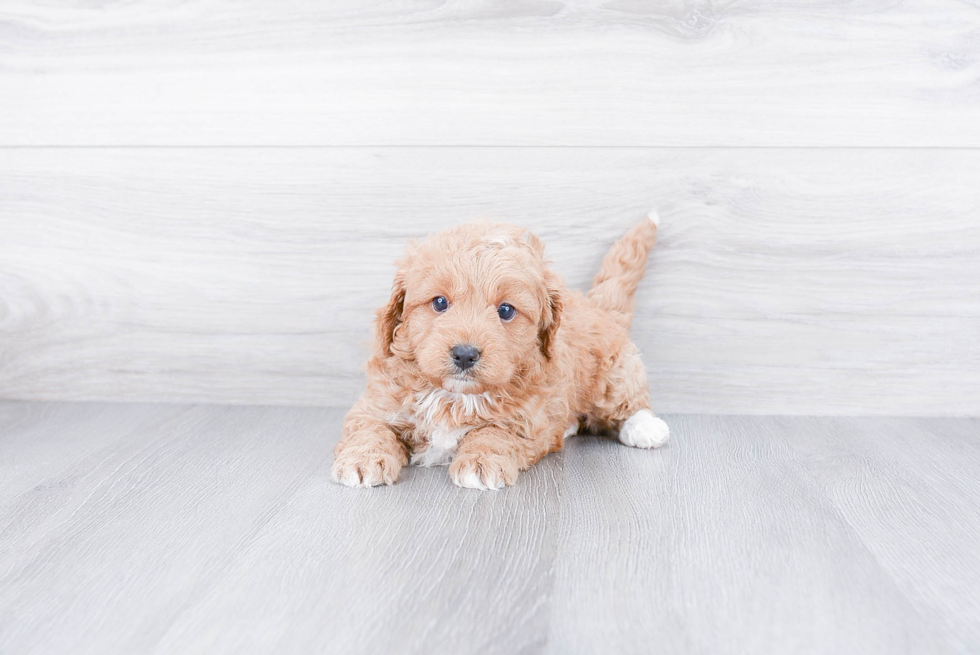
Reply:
x=474, y=308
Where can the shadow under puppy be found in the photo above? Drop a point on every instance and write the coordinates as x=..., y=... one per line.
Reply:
x=484, y=361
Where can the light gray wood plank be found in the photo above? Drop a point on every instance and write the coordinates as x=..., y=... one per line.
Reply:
x=143, y=528
x=765, y=72
x=422, y=567
x=40, y=441
x=219, y=530
x=215, y=529
x=792, y=281
x=909, y=489
x=725, y=542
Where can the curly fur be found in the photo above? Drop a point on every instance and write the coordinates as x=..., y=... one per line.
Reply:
x=564, y=360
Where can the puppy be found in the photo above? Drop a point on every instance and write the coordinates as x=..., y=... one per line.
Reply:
x=484, y=361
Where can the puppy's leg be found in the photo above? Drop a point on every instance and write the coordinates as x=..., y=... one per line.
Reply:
x=491, y=457
x=369, y=452
x=624, y=404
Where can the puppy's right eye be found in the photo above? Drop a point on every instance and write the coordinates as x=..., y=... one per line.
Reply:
x=440, y=304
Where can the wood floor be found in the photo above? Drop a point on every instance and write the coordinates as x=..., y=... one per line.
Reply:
x=131, y=528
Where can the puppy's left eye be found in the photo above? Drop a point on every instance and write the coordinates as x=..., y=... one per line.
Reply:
x=506, y=312
x=440, y=304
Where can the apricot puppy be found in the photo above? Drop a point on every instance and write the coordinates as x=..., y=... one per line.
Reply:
x=484, y=361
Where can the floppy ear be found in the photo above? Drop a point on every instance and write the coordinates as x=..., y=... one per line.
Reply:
x=552, y=316
x=390, y=316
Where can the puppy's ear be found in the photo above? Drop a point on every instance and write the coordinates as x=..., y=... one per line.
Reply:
x=532, y=240
x=390, y=316
x=551, y=319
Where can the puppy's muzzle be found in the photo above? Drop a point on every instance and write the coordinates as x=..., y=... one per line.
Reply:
x=465, y=356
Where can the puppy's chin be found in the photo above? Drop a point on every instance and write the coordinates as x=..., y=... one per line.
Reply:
x=461, y=384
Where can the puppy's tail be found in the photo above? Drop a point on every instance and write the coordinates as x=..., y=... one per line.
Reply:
x=622, y=269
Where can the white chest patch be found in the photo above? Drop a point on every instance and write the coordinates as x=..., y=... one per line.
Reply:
x=440, y=417
x=441, y=448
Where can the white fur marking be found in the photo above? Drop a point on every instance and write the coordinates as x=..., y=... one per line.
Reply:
x=644, y=430
x=471, y=404
x=654, y=217
x=442, y=446
x=443, y=439
x=470, y=479
x=498, y=240
x=351, y=479
x=571, y=430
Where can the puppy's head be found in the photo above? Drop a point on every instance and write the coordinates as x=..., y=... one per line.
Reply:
x=475, y=308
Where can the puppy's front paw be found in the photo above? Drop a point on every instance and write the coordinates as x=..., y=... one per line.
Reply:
x=357, y=468
x=644, y=430
x=488, y=472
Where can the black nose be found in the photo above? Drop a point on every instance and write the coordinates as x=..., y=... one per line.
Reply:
x=465, y=356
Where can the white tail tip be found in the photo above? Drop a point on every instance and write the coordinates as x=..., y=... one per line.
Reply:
x=654, y=217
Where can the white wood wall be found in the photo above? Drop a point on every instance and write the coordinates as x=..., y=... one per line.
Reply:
x=201, y=201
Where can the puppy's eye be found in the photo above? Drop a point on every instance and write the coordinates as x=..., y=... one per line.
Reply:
x=440, y=304
x=506, y=312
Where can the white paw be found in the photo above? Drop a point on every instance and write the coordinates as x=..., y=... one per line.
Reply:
x=571, y=430
x=352, y=471
x=470, y=479
x=644, y=430
x=474, y=472
x=353, y=478
x=350, y=478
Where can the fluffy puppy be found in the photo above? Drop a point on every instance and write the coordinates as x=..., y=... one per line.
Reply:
x=484, y=361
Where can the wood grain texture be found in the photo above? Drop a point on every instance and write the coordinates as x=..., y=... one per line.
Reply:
x=796, y=281
x=728, y=542
x=543, y=72
x=216, y=530
x=908, y=501
x=422, y=568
